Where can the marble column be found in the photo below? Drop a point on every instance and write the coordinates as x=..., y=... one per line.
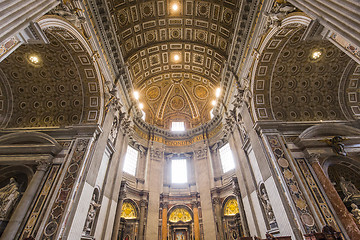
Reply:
x=142, y=219
x=196, y=221
x=164, y=222
x=217, y=206
x=25, y=202
x=338, y=205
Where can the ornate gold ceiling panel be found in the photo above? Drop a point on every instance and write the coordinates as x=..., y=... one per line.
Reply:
x=175, y=57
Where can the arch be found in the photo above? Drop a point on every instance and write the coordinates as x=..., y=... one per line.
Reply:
x=129, y=209
x=329, y=129
x=341, y=160
x=180, y=213
x=230, y=206
x=56, y=21
x=288, y=84
x=6, y=172
x=24, y=142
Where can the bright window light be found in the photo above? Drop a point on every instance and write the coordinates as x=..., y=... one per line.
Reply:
x=143, y=115
x=211, y=113
x=226, y=157
x=131, y=158
x=178, y=171
x=177, y=126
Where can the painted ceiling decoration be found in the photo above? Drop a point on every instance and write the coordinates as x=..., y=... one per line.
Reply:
x=175, y=57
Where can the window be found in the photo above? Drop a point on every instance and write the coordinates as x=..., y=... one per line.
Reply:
x=178, y=171
x=177, y=126
x=211, y=113
x=131, y=158
x=226, y=157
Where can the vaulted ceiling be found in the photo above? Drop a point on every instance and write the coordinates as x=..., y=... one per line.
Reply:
x=175, y=53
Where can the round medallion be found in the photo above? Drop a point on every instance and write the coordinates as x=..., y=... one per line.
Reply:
x=307, y=219
x=201, y=92
x=148, y=10
x=73, y=168
x=123, y=17
x=177, y=103
x=283, y=162
x=153, y=93
x=228, y=16
x=50, y=229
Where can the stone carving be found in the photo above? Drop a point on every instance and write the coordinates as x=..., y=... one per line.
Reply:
x=278, y=13
x=8, y=198
x=355, y=212
x=267, y=206
x=155, y=154
x=349, y=189
x=69, y=13
x=337, y=145
x=114, y=130
x=200, y=154
x=91, y=215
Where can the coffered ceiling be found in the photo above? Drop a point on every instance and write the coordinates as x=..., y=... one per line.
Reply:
x=175, y=53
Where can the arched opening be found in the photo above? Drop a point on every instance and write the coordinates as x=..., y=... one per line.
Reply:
x=13, y=183
x=231, y=218
x=129, y=222
x=180, y=220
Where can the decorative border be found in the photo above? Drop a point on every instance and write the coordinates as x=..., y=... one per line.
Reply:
x=283, y=163
x=318, y=196
x=62, y=198
x=38, y=207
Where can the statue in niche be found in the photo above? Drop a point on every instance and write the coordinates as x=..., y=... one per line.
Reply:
x=8, y=198
x=114, y=130
x=355, y=212
x=267, y=206
x=349, y=189
x=91, y=215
